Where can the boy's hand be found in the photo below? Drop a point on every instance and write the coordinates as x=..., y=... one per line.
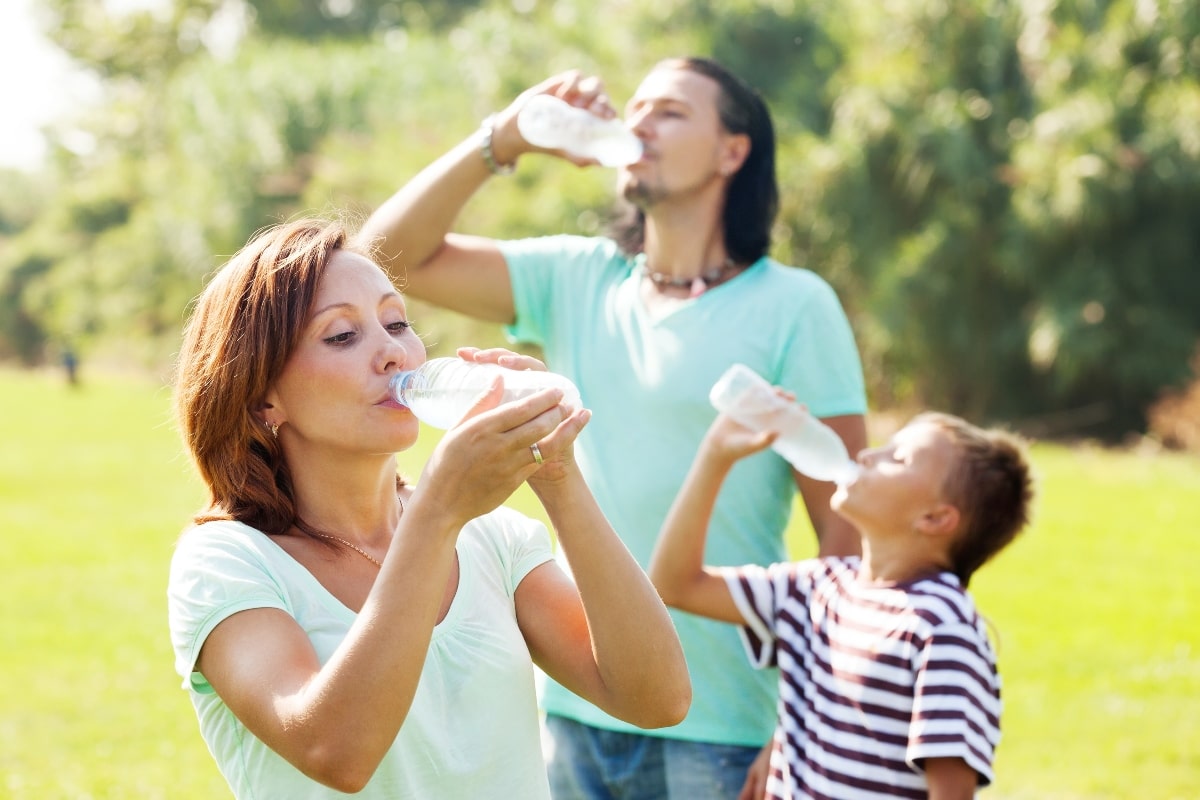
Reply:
x=728, y=440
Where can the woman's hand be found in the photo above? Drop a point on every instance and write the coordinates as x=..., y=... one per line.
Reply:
x=482, y=460
x=556, y=450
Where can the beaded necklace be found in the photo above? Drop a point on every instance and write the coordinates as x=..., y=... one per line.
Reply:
x=696, y=286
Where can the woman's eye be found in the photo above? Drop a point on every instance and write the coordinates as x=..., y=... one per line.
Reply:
x=400, y=326
x=341, y=338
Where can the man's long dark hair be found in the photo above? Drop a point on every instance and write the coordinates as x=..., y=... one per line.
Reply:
x=752, y=200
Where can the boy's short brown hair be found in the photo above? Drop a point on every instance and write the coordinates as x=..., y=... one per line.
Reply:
x=991, y=484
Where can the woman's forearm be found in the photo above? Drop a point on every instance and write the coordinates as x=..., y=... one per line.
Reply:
x=345, y=719
x=638, y=655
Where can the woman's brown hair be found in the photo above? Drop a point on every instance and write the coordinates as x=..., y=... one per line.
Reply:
x=242, y=330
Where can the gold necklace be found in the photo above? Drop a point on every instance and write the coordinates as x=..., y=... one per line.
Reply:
x=352, y=545
x=696, y=286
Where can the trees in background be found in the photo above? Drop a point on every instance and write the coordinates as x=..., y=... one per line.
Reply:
x=1004, y=194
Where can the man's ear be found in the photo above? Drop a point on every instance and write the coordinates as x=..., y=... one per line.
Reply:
x=941, y=520
x=734, y=153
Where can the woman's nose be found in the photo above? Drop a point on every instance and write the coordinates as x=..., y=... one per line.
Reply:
x=393, y=355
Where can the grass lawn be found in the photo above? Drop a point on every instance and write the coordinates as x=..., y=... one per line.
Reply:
x=1094, y=610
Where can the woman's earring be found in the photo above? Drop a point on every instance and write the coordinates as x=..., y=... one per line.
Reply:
x=274, y=430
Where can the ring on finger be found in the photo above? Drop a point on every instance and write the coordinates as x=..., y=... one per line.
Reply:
x=537, y=454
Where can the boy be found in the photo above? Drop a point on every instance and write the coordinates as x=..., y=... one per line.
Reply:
x=888, y=684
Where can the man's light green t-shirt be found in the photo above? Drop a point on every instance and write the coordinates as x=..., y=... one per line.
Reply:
x=646, y=379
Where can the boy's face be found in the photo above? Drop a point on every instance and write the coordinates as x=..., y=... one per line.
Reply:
x=901, y=482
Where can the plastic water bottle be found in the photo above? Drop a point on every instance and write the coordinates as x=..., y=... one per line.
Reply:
x=546, y=121
x=810, y=445
x=442, y=390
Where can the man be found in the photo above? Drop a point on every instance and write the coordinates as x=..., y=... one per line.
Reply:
x=645, y=322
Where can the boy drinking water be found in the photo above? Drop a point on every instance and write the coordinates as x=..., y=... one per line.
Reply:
x=888, y=683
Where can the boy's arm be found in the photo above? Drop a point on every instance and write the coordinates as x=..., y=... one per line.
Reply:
x=835, y=535
x=677, y=565
x=950, y=779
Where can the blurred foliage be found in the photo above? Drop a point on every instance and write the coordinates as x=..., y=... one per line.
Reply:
x=1004, y=194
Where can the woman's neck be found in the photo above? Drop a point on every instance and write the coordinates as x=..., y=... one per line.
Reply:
x=359, y=504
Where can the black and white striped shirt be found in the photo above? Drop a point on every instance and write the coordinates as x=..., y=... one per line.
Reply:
x=873, y=678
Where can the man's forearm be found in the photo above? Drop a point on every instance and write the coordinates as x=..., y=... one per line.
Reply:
x=412, y=224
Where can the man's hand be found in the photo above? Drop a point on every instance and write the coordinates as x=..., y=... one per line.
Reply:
x=755, y=787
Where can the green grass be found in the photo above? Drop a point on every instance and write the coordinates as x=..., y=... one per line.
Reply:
x=1093, y=609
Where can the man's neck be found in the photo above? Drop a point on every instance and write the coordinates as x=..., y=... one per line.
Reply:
x=685, y=240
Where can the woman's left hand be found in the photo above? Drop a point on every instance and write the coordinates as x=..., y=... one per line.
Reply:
x=557, y=449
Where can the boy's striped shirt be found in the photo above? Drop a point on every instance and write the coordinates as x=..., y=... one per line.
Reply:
x=873, y=679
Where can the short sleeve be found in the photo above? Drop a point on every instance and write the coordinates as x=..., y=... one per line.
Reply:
x=821, y=365
x=552, y=274
x=956, y=704
x=520, y=544
x=216, y=571
x=760, y=593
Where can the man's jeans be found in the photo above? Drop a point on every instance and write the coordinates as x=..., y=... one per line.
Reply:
x=587, y=763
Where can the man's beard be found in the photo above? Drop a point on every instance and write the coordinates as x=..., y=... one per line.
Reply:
x=641, y=194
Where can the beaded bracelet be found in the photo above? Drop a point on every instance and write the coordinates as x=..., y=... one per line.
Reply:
x=488, y=126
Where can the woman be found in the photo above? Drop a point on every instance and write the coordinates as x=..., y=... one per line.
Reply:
x=341, y=631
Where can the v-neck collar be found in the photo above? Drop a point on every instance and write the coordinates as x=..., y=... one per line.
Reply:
x=331, y=602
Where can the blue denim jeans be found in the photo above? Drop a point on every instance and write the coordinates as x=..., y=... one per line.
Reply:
x=587, y=763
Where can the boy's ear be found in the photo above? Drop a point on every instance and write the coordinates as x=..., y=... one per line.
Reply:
x=941, y=520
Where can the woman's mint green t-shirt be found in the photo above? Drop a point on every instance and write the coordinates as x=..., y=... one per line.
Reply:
x=473, y=727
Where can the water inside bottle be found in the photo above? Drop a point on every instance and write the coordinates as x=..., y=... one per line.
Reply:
x=547, y=121
x=442, y=390
x=810, y=445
